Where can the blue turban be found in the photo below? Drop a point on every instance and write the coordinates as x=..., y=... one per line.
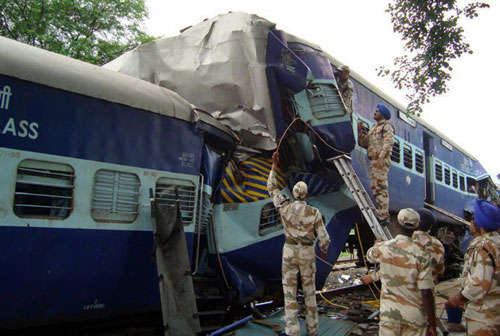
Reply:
x=486, y=215
x=384, y=111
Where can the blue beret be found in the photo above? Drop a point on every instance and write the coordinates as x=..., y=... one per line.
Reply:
x=384, y=111
x=486, y=215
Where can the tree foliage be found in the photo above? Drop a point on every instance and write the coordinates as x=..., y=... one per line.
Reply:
x=94, y=31
x=433, y=38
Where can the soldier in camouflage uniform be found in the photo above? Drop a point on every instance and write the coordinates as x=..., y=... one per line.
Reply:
x=346, y=87
x=431, y=244
x=480, y=289
x=301, y=224
x=379, y=141
x=406, y=300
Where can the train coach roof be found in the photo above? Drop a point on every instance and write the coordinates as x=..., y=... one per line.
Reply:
x=400, y=107
x=377, y=91
x=32, y=64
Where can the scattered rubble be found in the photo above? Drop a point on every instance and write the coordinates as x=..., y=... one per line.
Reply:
x=344, y=277
x=353, y=305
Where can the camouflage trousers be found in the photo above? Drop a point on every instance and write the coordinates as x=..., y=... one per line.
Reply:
x=380, y=187
x=396, y=329
x=299, y=259
x=475, y=328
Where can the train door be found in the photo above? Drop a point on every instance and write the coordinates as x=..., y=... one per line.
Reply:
x=429, y=165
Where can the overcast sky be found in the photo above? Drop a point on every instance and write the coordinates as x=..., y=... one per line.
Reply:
x=359, y=33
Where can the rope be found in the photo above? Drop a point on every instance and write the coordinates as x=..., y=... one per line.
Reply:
x=364, y=261
x=374, y=303
x=326, y=262
x=331, y=303
x=327, y=144
x=331, y=147
x=314, y=131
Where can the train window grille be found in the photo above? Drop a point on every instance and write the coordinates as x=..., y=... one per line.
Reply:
x=419, y=162
x=170, y=191
x=396, y=151
x=115, y=196
x=462, y=182
x=325, y=101
x=408, y=156
x=455, y=179
x=270, y=221
x=439, y=172
x=44, y=190
x=447, y=175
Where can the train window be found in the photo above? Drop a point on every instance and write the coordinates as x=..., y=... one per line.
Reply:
x=171, y=191
x=44, y=189
x=115, y=197
x=455, y=179
x=325, y=101
x=462, y=183
x=447, y=175
x=396, y=151
x=439, y=172
x=270, y=220
x=471, y=185
x=419, y=161
x=407, y=156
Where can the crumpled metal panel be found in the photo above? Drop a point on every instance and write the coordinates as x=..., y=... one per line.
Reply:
x=220, y=66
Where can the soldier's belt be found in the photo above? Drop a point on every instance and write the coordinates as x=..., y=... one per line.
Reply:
x=294, y=242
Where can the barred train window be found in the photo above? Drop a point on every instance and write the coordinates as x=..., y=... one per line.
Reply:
x=447, y=175
x=407, y=156
x=419, y=161
x=44, y=189
x=396, y=151
x=115, y=197
x=439, y=172
x=455, y=179
x=325, y=101
x=462, y=183
x=270, y=221
x=169, y=191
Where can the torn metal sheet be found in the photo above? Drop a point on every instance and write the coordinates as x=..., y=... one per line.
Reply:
x=220, y=66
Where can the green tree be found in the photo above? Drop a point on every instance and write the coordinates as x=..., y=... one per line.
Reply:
x=94, y=31
x=433, y=39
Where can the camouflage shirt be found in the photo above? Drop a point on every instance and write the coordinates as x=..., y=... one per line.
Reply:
x=436, y=250
x=346, y=90
x=405, y=269
x=378, y=140
x=301, y=222
x=481, y=279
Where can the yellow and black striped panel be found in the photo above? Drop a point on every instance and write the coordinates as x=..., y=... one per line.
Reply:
x=253, y=187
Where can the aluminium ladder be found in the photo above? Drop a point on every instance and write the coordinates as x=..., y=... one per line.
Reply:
x=343, y=165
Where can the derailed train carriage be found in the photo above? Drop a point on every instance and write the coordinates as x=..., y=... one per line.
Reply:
x=240, y=68
x=81, y=146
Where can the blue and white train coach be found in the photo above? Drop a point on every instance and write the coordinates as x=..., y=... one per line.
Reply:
x=79, y=148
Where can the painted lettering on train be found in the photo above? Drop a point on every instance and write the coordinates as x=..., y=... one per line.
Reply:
x=18, y=128
x=187, y=159
x=5, y=94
